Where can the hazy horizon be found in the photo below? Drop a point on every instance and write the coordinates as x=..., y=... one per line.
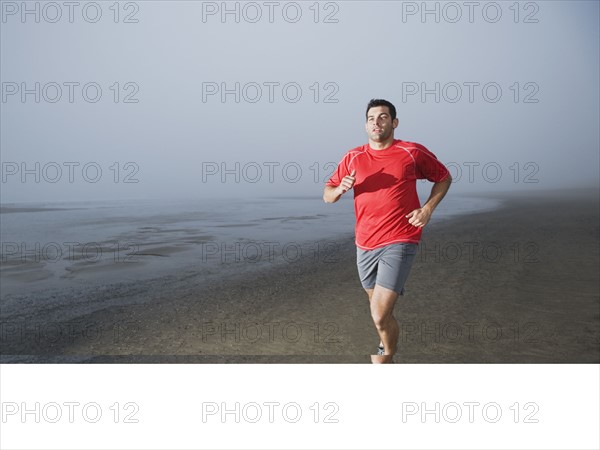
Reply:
x=508, y=98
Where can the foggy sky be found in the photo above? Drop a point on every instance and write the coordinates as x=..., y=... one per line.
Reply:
x=176, y=139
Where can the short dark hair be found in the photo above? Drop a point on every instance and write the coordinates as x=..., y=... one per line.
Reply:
x=380, y=102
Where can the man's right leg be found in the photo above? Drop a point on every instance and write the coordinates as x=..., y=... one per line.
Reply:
x=382, y=312
x=391, y=266
x=370, y=295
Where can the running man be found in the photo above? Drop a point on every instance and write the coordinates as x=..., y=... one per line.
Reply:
x=389, y=217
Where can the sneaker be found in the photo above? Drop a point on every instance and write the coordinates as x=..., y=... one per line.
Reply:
x=380, y=350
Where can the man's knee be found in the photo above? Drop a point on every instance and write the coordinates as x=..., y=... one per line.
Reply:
x=382, y=306
x=382, y=318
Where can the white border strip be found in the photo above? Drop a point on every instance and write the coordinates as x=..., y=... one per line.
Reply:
x=300, y=406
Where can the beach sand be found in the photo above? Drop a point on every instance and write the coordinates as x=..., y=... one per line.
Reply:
x=516, y=285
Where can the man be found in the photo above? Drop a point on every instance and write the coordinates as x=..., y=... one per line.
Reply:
x=389, y=217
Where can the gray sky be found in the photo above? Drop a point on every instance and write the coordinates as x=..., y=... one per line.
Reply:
x=517, y=107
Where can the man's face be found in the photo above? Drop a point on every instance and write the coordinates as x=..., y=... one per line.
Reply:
x=380, y=126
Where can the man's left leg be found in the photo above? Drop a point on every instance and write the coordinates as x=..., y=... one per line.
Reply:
x=382, y=312
x=380, y=348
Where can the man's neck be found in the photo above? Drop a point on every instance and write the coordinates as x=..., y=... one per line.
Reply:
x=381, y=145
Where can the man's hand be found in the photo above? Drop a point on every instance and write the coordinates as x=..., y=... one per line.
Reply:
x=332, y=194
x=347, y=182
x=419, y=217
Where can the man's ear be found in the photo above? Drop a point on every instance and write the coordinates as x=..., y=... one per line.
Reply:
x=395, y=122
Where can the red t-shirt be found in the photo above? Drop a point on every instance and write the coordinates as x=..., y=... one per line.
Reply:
x=385, y=190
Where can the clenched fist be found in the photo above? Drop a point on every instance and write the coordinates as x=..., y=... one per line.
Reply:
x=419, y=217
x=347, y=182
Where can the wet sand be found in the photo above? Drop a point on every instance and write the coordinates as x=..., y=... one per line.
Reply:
x=515, y=285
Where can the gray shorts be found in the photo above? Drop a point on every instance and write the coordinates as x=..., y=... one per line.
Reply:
x=387, y=266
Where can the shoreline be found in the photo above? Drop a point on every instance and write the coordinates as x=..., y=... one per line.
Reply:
x=518, y=284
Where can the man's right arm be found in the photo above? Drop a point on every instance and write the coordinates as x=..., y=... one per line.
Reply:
x=332, y=194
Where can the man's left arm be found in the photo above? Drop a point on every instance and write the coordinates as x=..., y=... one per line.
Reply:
x=420, y=217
